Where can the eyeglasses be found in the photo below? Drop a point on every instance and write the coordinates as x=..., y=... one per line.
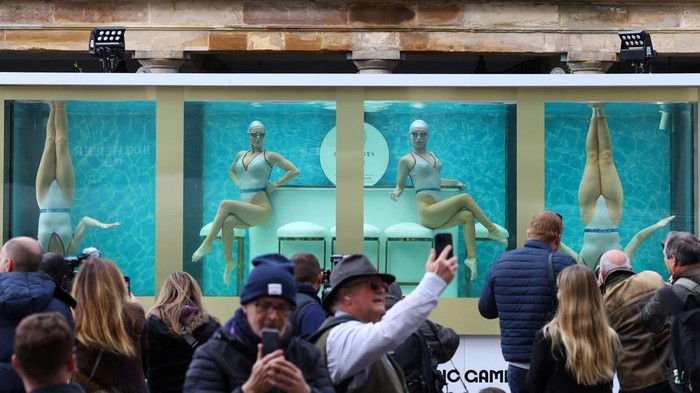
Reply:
x=266, y=308
x=415, y=134
x=257, y=134
x=374, y=285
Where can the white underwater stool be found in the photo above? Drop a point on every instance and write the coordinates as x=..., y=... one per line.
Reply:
x=239, y=238
x=406, y=232
x=303, y=231
x=370, y=233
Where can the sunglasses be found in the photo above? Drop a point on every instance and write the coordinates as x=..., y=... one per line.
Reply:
x=374, y=285
x=256, y=134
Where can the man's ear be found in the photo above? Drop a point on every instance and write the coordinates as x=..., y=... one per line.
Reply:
x=319, y=278
x=675, y=261
x=15, y=365
x=71, y=363
x=8, y=265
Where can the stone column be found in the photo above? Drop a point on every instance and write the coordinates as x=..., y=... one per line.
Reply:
x=590, y=62
x=161, y=61
x=374, y=61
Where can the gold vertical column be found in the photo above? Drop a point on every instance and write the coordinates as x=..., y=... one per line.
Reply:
x=696, y=203
x=169, y=181
x=2, y=161
x=529, y=157
x=349, y=204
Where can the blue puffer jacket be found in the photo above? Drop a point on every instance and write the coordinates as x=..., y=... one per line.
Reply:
x=22, y=294
x=518, y=293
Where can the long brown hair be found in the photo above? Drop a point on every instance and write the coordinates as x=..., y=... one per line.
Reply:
x=581, y=327
x=101, y=294
x=179, y=304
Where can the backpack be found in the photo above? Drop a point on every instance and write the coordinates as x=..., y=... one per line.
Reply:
x=303, y=302
x=685, y=334
x=414, y=356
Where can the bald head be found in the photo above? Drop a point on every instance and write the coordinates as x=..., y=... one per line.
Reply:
x=613, y=260
x=21, y=254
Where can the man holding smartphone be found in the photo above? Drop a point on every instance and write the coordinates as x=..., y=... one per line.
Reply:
x=255, y=350
x=354, y=343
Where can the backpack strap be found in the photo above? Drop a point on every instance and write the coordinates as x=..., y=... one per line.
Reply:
x=670, y=300
x=426, y=368
x=330, y=323
x=688, y=284
x=319, y=339
x=550, y=270
x=189, y=338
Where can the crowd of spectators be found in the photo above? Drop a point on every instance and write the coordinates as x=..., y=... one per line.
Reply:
x=564, y=327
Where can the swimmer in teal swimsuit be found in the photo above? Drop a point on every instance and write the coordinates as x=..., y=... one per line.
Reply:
x=250, y=171
x=434, y=212
x=600, y=198
x=55, y=190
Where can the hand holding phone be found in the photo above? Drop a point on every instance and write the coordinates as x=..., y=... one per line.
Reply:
x=441, y=241
x=270, y=340
x=443, y=267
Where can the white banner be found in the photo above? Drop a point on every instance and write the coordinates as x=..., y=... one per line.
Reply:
x=478, y=363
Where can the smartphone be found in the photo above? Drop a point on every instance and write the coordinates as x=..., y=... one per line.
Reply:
x=270, y=340
x=441, y=241
x=127, y=280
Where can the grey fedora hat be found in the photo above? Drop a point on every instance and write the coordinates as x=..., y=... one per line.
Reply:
x=352, y=266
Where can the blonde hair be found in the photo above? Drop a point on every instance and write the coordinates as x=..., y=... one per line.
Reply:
x=581, y=327
x=100, y=292
x=179, y=304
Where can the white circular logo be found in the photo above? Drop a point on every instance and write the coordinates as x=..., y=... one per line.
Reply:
x=375, y=153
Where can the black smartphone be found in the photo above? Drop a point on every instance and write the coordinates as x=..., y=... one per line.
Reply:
x=127, y=281
x=270, y=340
x=441, y=241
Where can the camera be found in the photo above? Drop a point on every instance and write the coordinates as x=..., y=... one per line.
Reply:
x=75, y=262
x=335, y=258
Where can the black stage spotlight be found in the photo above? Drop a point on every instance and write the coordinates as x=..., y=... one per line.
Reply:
x=108, y=44
x=636, y=48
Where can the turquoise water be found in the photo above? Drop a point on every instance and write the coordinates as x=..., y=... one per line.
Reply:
x=641, y=152
x=468, y=138
x=112, y=146
x=113, y=151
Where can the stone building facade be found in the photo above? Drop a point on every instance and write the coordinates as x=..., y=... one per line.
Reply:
x=443, y=36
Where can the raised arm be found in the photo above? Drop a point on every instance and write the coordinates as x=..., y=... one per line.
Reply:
x=643, y=235
x=290, y=171
x=564, y=249
x=85, y=223
x=404, y=167
x=452, y=183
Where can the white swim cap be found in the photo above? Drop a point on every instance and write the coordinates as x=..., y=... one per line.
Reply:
x=254, y=124
x=419, y=123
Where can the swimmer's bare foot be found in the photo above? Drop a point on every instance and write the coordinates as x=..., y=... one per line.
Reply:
x=203, y=250
x=597, y=109
x=471, y=264
x=227, y=272
x=495, y=234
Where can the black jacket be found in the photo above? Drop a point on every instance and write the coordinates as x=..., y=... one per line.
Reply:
x=225, y=362
x=22, y=294
x=169, y=356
